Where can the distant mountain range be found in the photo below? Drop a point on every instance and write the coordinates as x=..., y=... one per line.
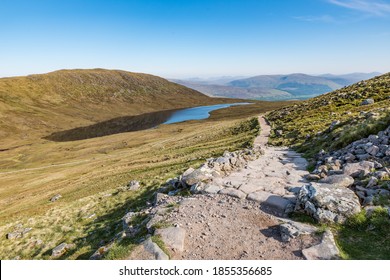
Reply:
x=274, y=87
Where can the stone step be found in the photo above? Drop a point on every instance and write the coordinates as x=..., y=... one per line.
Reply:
x=270, y=202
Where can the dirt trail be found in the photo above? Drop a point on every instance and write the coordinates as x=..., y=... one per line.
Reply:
x=225, y=227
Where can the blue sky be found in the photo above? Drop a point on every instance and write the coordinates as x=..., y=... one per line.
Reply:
x=195, y=38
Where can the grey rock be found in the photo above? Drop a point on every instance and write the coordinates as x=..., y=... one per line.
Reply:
x=152, y=248
x=18, y=233
x=372, y=150
x=372, y=183
x=270, y=201
x=381, y=175
x=327, y=203
x=312, y=177
x=343, y=181
x=128, y=217
x=133, y=185
x=61, y=249
x=233, y=192
x=198, y=187
x=369, y=200
x=363, y=157
x=14, y=235
x=173, y=237
x=199, y=175
x=291, y=230
x=358, y=169
x=335, y=172
x=333, y=124
x=326, y=250
x=367, y=101
x=160, y=198
x=361, y=194
x=383, y=192
x=349, y=157
x=188, y=172
x=55, y=198
x=212, y=189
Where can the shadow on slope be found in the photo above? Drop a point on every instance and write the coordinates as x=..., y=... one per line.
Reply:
x=113, y=126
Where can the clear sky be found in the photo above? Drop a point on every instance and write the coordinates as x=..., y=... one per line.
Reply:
x=195, y=38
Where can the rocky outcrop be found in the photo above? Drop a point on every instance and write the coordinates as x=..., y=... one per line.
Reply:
x=198, y=179
x=19, y=232
x=327, y=203
x=365, y=161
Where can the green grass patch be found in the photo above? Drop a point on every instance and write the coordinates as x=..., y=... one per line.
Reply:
x=365, y=238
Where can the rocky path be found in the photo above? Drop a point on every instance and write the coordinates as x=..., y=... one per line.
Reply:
x=270, y=180
x=227, y=223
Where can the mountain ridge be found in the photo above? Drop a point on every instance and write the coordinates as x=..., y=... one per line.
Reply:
x=276, y=87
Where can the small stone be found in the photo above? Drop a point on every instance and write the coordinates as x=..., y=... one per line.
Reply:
x=367, y=101
x=312, y=177
x=133, y=185
x=61, y=249
x=373, y=182
x=55, y=198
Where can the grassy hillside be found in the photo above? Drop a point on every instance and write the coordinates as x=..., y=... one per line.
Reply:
x=308, y=125
x=90, y=175
x=41, y=104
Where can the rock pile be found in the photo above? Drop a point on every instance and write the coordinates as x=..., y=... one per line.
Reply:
x=18, y=232
x=361, y=166
x=327, y=203
x=201, y=180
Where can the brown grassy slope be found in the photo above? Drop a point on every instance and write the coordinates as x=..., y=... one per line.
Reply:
x=37, y=105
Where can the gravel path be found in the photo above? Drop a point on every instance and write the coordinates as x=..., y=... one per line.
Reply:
x=226, y=227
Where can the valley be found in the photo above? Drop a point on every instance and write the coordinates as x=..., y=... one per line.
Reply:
x=90, y=174
x=71, y=176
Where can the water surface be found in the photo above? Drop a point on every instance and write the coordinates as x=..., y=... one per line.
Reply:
x=197, y=113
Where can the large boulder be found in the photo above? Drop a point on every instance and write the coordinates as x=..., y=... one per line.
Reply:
x=327, y=203
x=358, y=169
x=199, y=175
